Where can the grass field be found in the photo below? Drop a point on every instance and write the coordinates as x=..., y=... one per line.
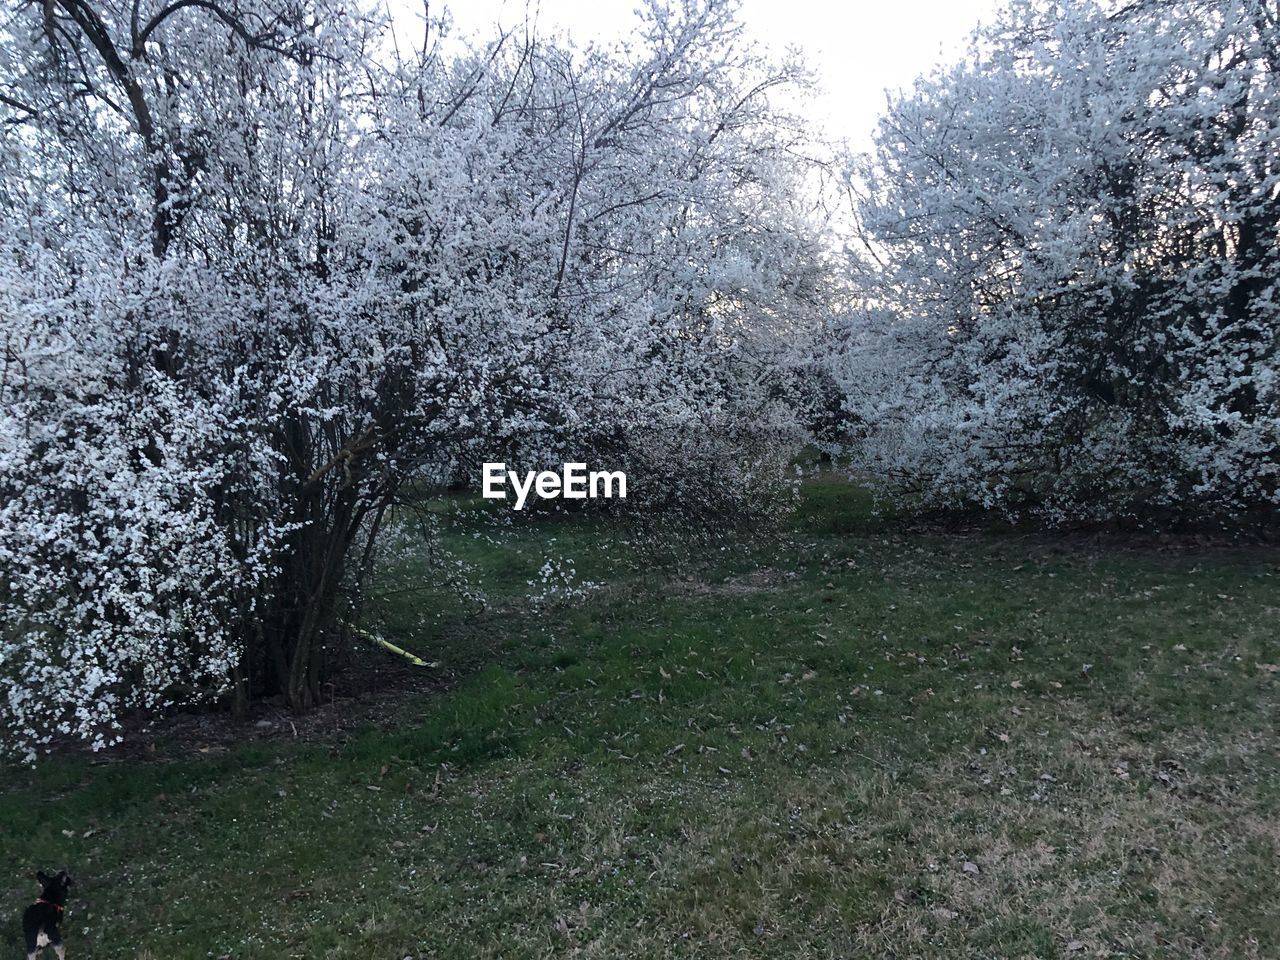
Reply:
x=861, y=740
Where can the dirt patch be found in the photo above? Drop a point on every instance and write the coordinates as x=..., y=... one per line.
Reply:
x=371, y=692
x=763, y=580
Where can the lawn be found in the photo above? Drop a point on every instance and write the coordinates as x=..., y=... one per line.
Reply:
x=862, y=738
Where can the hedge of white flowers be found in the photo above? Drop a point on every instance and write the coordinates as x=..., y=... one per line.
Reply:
x=1071, y=283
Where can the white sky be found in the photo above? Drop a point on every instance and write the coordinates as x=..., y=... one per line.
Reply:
x=857, y=48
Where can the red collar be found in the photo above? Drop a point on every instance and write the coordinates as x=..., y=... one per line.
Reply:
x=50, y=903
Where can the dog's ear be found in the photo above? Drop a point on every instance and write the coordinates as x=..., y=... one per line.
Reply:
x=41, y=877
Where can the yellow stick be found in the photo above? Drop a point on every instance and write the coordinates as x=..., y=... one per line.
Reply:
x=388, y=645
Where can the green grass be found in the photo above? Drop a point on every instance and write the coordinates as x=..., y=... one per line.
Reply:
x=791, y=750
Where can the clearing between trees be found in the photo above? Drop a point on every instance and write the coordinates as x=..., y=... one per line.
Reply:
x=866, y=739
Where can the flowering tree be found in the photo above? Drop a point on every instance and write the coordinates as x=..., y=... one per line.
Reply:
x=1071, y=295
x=264, y=271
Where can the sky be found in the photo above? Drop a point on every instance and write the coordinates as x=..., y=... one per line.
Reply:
x=857, y=48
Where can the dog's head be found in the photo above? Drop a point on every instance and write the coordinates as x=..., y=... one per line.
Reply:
x=54, y=887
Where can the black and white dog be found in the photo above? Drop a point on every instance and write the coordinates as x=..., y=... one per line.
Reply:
x=41, y=920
